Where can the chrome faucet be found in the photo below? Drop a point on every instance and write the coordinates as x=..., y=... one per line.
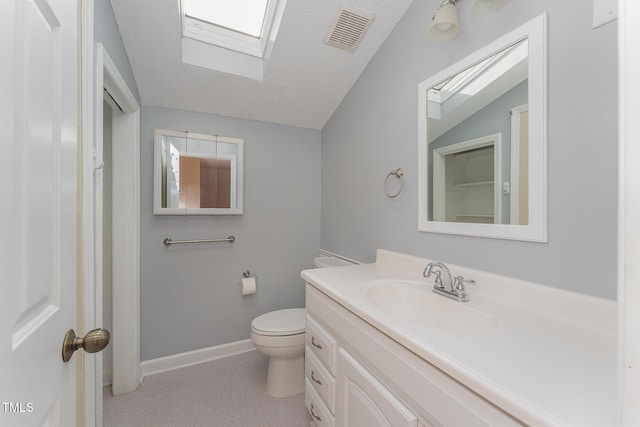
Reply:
x=454, y=289
x=443, y=269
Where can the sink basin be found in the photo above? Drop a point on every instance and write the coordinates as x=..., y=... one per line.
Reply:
x=417, y=302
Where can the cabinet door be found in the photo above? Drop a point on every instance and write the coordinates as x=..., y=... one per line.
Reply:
x=364, y=401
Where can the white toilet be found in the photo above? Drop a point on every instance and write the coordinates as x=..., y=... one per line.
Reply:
x=280, y=335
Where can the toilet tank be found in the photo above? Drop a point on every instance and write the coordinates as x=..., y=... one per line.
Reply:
x=329, y=261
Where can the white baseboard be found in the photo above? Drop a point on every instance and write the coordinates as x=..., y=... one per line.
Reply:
x=182, y=360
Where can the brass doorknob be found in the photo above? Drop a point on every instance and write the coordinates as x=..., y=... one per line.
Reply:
x=93, y=342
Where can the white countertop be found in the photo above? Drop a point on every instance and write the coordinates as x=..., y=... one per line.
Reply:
x=550, y=361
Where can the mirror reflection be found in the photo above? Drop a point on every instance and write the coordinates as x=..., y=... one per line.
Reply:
x=198, y=174
x=482, y=140
x=477, y=134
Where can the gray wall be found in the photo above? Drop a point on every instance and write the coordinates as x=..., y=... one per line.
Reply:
x=191, y=293
x=375, y=130
x=106, y=31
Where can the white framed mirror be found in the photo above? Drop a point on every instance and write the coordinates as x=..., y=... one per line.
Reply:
x=197, y=174
x=482, y=141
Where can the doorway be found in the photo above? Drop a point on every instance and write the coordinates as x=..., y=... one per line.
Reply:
x=467, y=181
x=116, y=221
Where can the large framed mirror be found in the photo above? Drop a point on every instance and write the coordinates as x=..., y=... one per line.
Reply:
x=197, y=174
x=483, y=141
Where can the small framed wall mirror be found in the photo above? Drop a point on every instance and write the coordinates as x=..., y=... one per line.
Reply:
x=483, y=141
x=197, y=174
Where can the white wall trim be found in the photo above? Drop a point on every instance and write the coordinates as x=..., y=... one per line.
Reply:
x=182, y=360
x=628, y=214
x=514, y=186
x=126, y=221
x=91, y=314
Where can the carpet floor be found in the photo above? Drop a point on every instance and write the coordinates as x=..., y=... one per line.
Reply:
x=228, y=392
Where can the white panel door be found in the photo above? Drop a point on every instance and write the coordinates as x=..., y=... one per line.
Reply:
x=39, y=65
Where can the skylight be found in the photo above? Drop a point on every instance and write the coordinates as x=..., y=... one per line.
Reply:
x=243, y=16
x=232, y=36
x=501, y=71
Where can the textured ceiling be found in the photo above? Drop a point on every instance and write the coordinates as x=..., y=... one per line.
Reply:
x=305, y=79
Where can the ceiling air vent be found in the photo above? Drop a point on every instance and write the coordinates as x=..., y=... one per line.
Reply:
x=348, y=28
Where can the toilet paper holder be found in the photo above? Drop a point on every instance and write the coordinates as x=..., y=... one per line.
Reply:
x=249, y=283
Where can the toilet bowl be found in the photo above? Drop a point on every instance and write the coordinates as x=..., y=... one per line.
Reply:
x=280, y=335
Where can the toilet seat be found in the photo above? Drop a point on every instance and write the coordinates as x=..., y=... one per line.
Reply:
x=290, y=321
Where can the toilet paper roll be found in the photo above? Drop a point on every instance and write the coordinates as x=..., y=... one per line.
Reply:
x=248, y=285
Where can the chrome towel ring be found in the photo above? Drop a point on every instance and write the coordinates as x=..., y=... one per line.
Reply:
x=398, y=173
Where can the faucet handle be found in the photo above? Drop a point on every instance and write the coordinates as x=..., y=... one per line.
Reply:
x=459, y=282
x=438, y=280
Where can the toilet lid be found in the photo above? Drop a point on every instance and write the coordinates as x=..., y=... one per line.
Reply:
x=289, y=321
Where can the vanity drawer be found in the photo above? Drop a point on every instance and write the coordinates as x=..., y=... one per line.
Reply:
x=321, y=379
x=320, y=414
x=321, y=343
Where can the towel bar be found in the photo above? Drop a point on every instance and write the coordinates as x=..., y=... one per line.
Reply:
x=168, y=241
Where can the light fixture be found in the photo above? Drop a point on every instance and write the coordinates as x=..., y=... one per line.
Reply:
x=444, y=25
x=445, y=22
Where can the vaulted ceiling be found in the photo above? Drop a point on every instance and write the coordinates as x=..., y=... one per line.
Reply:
x=305, y=79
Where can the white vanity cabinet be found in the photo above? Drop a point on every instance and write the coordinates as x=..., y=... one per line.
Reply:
x=320, y=370
x=379, y=382
x=364, y=401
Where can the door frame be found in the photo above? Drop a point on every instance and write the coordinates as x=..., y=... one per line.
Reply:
x=126, y=220
x=628, y=214
x=88, y=384
x=514, y=186
x=439, y=170
x=100, y=72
